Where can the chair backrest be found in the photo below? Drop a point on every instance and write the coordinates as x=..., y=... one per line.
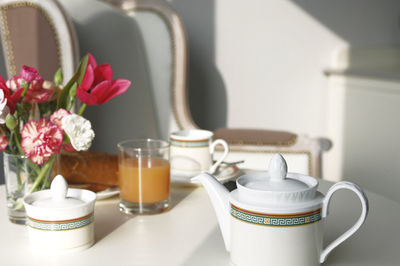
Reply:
x=37, y=33
x=114, y=38
x=165, y=45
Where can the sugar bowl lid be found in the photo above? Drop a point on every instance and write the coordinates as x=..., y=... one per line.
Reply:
x=276, y=186
x=59, y=202
x=58, y=196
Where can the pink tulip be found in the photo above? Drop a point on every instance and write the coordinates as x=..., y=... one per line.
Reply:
x=12, y=99
x=97, y=86
x=40, y=140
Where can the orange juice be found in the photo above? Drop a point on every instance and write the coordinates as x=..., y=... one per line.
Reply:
x=144, y=180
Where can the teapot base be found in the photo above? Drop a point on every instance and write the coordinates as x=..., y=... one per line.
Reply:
x=255, y=244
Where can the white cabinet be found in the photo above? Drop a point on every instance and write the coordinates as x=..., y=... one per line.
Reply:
x=364, y=124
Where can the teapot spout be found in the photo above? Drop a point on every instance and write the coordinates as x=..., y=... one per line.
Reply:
x=219, y=196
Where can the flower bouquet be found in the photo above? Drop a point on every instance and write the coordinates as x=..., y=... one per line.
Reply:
x=36, y=123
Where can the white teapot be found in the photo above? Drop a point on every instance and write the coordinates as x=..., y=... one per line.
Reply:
x=276, y=218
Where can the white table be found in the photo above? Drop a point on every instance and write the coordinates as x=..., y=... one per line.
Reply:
x=188, y=234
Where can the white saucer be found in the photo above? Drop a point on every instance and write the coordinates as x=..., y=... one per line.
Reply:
x=223, y=175
x=103, y=194
x=107, y=193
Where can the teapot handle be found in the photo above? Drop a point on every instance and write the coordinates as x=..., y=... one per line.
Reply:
x=364, y=203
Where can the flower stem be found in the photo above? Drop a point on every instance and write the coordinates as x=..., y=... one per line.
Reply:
x=25, y=90
x=39, y=179
x=18, y=144
x=82, y=109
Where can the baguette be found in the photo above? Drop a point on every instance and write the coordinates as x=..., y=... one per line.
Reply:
x=89, y=168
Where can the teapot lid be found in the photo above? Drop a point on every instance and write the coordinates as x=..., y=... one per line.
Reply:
x=276, y=186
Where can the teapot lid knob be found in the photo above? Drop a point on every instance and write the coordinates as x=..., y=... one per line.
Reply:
x=277, y=168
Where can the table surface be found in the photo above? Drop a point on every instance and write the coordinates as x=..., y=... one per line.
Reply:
x=188, y=234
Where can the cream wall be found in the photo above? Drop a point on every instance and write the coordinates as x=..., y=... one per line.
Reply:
x=267, y=57
x=260, y=63
x=272, y=65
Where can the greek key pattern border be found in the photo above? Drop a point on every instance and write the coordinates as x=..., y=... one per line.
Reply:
x=61, y=225
x=283, y=220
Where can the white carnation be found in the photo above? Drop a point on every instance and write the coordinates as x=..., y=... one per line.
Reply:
x=79, y=131
x=4, y=110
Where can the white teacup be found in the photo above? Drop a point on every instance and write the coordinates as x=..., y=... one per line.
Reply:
x=192, y=151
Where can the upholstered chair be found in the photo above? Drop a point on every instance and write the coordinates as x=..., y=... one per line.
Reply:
x=165, y=44
x=165, y=49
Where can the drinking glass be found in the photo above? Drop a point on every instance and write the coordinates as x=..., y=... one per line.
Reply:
x=144, y=176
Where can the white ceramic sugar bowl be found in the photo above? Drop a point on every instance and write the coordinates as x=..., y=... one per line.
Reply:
x=276, y=218
x=60, y=220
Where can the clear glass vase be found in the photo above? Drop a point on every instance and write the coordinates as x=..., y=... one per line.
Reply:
x=22, y=177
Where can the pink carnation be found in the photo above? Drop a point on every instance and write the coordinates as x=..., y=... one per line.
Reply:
x=14, y=83
x=39, y=91
x=58, y=115
x=56, y=118
x=29, y=74
x=3, y=142
x=40, y=140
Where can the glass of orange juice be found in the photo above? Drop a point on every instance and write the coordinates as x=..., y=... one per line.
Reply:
x=144, y=176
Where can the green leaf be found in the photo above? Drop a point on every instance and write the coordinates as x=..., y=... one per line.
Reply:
x=77, y=77
x=26, y=87
x=58, y=77
x=71, y=96
x=62, y=99
x=82, y=68
x=66, y=139
x=72, y=91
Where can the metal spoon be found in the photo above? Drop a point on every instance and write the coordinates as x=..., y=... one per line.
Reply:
x=231, y=163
